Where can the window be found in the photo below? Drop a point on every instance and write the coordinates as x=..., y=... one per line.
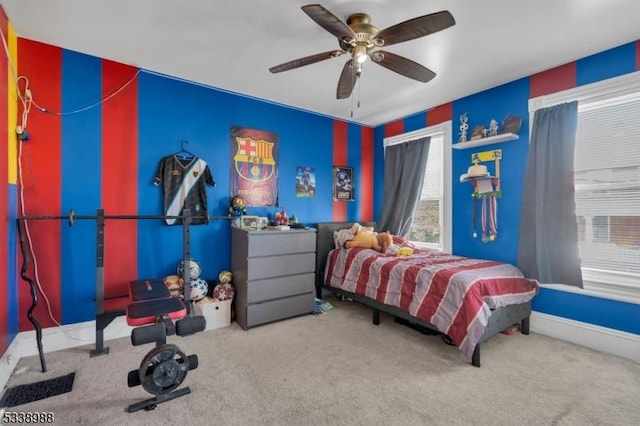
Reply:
x=431, y=227
x=607, y=183
x=607, y=179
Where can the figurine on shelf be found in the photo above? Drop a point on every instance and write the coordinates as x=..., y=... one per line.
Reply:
x=493, y=128
x=478, y=132
x=464, y=127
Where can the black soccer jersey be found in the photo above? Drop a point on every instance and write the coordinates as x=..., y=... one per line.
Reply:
x=184, y=181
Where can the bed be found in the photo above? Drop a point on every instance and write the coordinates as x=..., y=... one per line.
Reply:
x=466, y=300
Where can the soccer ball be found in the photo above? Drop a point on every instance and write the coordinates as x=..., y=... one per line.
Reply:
x=194, y=269
x=225, y=276
x=199, y=289
x=223, y=291
x=174, y=284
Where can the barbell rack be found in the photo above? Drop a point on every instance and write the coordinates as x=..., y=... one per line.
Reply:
x=103, y=319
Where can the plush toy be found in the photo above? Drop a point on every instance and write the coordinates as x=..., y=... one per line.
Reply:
x=369, y=239
x=405, y=251
x=385, y=240
x=356, y=228
x=365, y=240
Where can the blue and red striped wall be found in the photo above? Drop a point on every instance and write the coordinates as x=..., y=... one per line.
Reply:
x=106, y=156
x=83, y=156
x=8, y=197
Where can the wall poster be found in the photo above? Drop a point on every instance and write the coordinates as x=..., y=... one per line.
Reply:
x=254, y=166
x=305, y=182
x=342, y=183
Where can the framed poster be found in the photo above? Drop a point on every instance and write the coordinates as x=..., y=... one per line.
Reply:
x=305, y=182
x=342, y=183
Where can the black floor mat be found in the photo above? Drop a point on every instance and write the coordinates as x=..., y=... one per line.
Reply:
x=23, y=394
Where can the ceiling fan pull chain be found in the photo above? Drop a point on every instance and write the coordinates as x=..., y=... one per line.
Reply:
x=359, y=84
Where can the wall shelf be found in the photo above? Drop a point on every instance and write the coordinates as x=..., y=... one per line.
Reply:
x=503, y=137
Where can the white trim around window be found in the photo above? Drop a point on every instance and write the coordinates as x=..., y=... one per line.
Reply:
x=597, y=283
x=444, y=130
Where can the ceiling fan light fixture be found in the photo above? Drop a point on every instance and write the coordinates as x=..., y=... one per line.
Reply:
x=360, y=53
x=359, y=39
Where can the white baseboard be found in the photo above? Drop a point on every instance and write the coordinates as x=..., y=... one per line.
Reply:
x=620, y=343
x=8, y=362
x=56, y=339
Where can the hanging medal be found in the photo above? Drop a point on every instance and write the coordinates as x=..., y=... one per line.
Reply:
x=485, y=237
x=493, y=217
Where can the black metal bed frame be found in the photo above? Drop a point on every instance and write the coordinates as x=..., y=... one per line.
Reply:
x=500, y=319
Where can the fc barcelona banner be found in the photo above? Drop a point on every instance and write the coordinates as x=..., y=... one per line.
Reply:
x=254, y=166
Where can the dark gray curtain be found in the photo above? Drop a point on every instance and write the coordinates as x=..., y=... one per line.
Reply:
x=548, y=242
x=404, y=167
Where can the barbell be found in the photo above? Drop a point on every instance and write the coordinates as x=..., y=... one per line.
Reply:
x=72, y=217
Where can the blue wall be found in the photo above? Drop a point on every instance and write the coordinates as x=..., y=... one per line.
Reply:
x=496, y=103
x=171, y=110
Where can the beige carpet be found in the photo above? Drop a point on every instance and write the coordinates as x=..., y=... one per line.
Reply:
x=339, y=369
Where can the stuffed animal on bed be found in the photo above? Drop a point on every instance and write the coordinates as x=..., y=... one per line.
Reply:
x=405, y=251
x=356, y=228
x=369, y=239
x=385, y=239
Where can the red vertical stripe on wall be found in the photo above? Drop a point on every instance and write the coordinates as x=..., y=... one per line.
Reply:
x=553, y=80
x=340, y=130
x=440, y=114
x=638, y=55
x=394, y=128
x=40, y=169
x=120, y=174
x=366, y=175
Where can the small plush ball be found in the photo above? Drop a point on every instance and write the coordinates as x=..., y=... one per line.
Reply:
x=225, y=276
x=175, y=284
x=194, y=269
x=199, y=289
x=223, y=291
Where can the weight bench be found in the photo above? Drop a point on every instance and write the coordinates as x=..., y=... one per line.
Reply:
x=156, y=315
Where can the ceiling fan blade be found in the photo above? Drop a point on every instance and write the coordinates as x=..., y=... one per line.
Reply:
x=329, y=22
x=403, y=66
x=300, y=62
x=347, y=80
x=416, y=27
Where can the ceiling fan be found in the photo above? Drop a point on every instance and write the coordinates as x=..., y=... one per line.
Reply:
x=361, y=40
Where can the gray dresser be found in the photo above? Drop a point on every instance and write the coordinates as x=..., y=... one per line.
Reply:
x=273, y=274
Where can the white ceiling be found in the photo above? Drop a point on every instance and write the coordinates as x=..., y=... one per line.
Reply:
x=231, y=44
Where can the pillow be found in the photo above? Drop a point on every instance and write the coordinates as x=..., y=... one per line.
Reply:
x=341, y=236
x=402, y=241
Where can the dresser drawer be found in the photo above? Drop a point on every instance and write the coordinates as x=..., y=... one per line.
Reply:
x=265, y=243
x=261, y=313
x=276, y=266
x=274, y=288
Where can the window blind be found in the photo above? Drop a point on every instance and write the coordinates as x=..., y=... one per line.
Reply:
x=607, y=183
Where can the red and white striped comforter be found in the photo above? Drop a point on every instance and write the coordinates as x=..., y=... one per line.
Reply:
x=454, y=293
